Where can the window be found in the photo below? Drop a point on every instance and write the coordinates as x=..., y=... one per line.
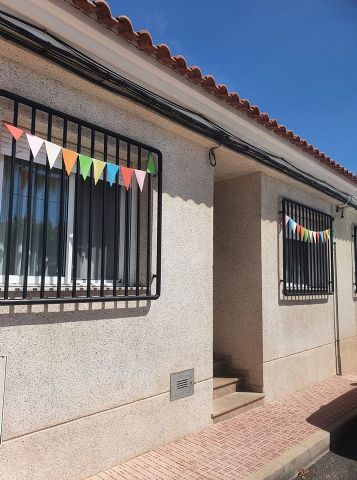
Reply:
x=307, y=250
x=63, y=238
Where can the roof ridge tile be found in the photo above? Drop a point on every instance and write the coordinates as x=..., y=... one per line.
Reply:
x=143, y=40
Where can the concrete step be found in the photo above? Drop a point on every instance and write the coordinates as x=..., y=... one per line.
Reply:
x=224, y=386
x=235, y=403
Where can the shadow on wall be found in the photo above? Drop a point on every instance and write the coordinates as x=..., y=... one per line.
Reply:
x=74, y=312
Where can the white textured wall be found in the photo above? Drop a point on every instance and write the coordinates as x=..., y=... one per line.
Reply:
x=299, y=334
x=237, y=275
x=281, y=344
x=87, y=386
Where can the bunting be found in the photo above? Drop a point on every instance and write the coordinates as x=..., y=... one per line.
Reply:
x=98, y=167
x=140, y=178
x=127, y=174
x=84, y=164
x=52, y=151
x=70, y=157
x=151, y=166
x=305, y=234
x=15, y=131
x=35, y=144
x=112, y=171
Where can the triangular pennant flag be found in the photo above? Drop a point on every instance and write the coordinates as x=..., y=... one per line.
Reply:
x=127, y=174
x=151, y=166
x=314, y=235
x=306, y=235
x=140, y=178
x=322, y=236
x=325, y=235
x=287, y=218
x=328, y=232
x=69, y=158
x=311, y=235
x=16, y=132
x=35, y=143
x=112, y=171
x=292, y=225
x=52, y=151
x=317, y=238
x=98, y=167
x=302, y=233
x=85, y=164
x=298, y=228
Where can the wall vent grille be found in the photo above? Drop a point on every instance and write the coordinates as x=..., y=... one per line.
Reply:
x=181, y=384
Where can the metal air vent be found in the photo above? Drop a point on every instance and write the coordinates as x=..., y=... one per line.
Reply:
x=181, y=384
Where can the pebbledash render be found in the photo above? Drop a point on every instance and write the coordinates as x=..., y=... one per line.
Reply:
x=126, y=316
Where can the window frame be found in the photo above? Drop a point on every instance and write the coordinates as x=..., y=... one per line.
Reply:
x=122, y=293
x=311, y=263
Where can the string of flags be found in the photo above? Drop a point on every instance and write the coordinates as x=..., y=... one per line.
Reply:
x=305, y=234
x=70, y=157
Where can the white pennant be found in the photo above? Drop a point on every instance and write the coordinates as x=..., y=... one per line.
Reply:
x=53, y=151
x=35, y=143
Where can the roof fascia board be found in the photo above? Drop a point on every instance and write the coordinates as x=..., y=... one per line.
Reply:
x=87, y=35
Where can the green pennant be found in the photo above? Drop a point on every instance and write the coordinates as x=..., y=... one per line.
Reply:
x=151, y=165
x=85, y=164
x=306, y=235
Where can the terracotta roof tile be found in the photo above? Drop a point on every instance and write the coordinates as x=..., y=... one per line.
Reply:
x=122, y=25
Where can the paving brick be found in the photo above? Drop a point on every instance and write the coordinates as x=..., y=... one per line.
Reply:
x=241, y=447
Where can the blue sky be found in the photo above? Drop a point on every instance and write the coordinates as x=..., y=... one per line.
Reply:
x=296, y=60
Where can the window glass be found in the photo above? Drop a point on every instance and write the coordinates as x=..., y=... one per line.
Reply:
x=20, y=220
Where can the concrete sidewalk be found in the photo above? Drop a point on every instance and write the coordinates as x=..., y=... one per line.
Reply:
x=270, y=442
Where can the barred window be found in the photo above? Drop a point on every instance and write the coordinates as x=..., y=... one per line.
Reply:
x=307, y=250
x=64, y=238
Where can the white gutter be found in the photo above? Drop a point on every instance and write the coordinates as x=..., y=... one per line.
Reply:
x=87, y=35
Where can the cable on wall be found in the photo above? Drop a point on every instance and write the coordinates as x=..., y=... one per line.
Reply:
x=53, y=48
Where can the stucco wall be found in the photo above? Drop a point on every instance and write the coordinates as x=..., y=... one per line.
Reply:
x=299, y=334
x=237, y=275
x=88, y=385
x=281, y=344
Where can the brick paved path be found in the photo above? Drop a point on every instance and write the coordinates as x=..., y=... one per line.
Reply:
x=237, y=447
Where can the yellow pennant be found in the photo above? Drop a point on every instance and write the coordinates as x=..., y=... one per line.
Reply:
x=98, y=167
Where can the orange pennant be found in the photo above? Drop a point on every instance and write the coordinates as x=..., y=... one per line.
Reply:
x=298, y=228
x=127, y=174
x=69, y=158
x=302, y=232
x=317, y=237
x=15, y=131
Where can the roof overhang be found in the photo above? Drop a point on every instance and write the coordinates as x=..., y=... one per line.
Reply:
x=103, y=45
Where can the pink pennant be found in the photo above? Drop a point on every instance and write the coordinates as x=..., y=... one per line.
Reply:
x=15, y=131
x=35, y=143
x=140, y=178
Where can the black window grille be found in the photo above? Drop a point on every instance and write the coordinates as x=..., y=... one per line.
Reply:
x=63, y=238
x=307, y=250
